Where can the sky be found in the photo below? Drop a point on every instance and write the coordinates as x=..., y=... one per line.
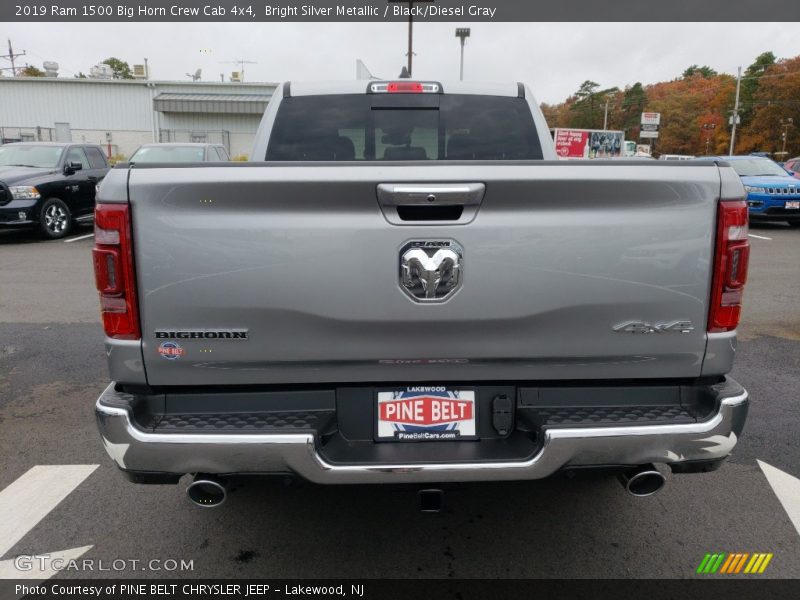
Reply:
x=553, y=58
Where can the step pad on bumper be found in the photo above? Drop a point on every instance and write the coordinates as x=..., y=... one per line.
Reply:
x=264, y=422
x=611, y=415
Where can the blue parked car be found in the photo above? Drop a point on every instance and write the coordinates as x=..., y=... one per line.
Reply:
x=772, y=193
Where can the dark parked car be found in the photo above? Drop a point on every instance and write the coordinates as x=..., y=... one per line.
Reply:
x=167, y=153
x=49, y=185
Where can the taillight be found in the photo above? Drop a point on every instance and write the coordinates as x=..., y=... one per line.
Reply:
x=730, y=266
x=113, y=271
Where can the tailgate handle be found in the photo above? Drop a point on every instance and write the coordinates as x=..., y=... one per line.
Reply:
x=430, y=203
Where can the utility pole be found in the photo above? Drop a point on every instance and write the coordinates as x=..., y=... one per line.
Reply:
x=462, y=33
x=789, y=123
x=411, y=28
x=735, y=116
x=410, y=36
x=12, y=57
x=605, y=118
x=708, y=127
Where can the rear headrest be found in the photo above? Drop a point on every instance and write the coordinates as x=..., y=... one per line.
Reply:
x=324, y=147
x=343, y=148
x=460, y=147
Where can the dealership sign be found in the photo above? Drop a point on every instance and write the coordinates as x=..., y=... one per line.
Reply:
x=651, y=122
x=651, y=118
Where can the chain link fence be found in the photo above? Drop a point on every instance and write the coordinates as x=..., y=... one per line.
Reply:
x=26, y=134
x=196, y=136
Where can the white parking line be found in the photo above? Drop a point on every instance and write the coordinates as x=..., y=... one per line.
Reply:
x=30, y=498
x=786, y=488
x=88, y=235
x=753, y=235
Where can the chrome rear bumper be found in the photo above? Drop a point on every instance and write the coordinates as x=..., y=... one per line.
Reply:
x=137, y=450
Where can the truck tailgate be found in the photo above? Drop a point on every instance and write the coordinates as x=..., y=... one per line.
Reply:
x=558, y=258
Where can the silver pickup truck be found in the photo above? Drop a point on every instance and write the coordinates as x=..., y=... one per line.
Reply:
x=406, y=286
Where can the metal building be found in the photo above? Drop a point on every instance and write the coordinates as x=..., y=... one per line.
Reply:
x=122, y=114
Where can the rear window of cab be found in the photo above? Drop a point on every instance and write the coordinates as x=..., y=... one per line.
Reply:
x=403, y=127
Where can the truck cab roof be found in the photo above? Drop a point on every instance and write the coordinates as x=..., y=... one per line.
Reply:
x=307, y=88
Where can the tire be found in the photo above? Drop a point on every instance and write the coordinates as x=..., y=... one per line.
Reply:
x=55, y=220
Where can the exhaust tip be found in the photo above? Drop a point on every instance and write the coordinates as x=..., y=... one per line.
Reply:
x=207, y=492
x=431, y=501
x=643, y=481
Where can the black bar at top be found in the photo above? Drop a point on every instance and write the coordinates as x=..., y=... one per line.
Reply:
x=128, y=11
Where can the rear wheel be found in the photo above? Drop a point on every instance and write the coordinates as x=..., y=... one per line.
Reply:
x=55, y=220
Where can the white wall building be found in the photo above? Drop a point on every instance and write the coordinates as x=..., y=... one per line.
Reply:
x=131, y=112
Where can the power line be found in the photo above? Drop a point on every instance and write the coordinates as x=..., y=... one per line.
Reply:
x=62, y=66
x=11, y=57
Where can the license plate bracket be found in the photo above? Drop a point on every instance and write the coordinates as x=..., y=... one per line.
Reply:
x=426, y=414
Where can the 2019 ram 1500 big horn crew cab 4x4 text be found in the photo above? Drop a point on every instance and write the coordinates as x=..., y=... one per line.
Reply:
x=408, y=286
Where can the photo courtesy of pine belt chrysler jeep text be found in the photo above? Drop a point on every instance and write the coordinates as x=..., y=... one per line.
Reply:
x=407, y=286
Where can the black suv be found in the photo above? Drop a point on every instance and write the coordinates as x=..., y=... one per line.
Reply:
x=49, y=185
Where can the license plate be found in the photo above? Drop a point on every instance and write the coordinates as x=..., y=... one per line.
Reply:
x=793, y=204
x=425, y=414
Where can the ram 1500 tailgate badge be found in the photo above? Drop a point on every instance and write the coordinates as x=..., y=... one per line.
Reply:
x=430, y=270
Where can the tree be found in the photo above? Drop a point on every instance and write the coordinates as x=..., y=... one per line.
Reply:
x=551, y=114
x=685, y=106
x=634, y=101
x=705, y=71
x=30, y=71
x=774, y=103
x=589, y=104
x=121, y=69
x=81, y=75
x=695, y=109
x=587, y=90
x=750, y=83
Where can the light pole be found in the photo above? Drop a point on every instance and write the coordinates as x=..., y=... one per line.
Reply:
x=734, y=120
x=785, y=124
x=462, y=33
x=708, y=127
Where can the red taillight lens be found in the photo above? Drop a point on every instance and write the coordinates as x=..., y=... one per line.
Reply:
x=107, y=270
x=113, y=271
x=404, y=87
x=730, y=266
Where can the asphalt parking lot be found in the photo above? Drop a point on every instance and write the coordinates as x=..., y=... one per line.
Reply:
x=52, y=368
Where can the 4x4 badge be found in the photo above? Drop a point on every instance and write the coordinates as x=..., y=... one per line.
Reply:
x=683, y=326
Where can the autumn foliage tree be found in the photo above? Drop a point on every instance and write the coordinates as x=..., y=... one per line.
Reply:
x=30, y=71
x=776, y=100
x=696, y=107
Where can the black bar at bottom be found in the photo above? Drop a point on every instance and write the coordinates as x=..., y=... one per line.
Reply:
x=711, y=586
